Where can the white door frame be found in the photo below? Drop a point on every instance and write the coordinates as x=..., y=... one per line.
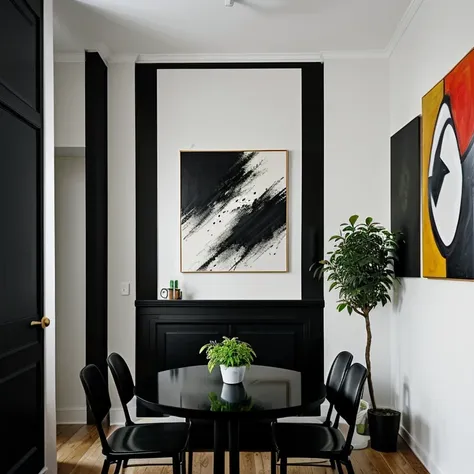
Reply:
x=49, y=242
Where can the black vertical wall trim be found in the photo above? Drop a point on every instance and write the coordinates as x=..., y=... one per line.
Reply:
x=312, y=227
x=312, y=222
x=146, y=182
x=96, y=213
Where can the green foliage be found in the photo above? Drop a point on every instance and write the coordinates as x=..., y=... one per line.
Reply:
x=228, y=352
x=218, y=404
x=361, y=265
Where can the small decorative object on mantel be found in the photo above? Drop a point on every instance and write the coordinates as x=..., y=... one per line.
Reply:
x=173, y=292
x=360, y=267
x=232, y=355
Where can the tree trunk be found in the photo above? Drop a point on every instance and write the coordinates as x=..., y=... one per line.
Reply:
x=367, y=359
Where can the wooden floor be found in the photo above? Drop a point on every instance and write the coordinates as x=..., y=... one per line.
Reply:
x=79, y=452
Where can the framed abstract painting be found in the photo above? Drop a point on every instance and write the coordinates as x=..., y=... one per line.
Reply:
x=234, y=211
x=448, y=175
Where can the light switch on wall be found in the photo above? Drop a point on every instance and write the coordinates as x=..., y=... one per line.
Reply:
x=125, y=288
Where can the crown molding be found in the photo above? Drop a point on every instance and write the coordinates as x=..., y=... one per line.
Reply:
x=403, y=25
x=260, y=58
x=104, y=52
x=123, y=58
x=230, y=58
x=69, y=57
x=362, y=54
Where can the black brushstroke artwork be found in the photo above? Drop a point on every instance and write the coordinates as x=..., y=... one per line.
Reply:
x=233, y=211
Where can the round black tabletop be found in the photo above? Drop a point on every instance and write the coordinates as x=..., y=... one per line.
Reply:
x=266, y=392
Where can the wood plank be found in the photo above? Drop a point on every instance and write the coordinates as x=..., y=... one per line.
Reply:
x=79, y=452
x=370, y=462
x=410, y=457
x=71, y=451
x=398, y=463
x=92, y=460
x=64, y=433
x=247, y=463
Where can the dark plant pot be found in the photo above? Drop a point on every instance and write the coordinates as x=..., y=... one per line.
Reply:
x=384, y=425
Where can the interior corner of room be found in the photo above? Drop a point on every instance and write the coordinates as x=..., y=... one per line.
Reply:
x=352, y=109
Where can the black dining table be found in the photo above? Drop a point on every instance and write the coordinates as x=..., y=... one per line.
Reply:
x=267, y=393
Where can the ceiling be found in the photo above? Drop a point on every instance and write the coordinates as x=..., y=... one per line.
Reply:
x=209, y=27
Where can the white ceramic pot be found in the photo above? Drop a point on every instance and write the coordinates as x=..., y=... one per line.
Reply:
x=233, y=375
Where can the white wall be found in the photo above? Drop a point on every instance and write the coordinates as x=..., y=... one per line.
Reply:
x=69, y=105
x=69, y=110
x=121, y=202
x=227, y=109
x=432, y=324
x=356, y=181
x=70, y=288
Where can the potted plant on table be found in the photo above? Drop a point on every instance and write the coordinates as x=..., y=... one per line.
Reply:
x=232, y=355
x=361, y=268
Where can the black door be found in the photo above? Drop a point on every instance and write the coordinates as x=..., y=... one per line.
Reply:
x=21, y=294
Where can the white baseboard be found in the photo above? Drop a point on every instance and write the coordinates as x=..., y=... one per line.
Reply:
x=420, y=452
x=71, y=416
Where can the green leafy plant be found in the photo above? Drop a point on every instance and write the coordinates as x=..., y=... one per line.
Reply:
x=218, y=404
x=228, y=352
x=361, y=268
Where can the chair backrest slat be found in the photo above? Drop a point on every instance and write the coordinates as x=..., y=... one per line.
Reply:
x=336, y=376
x=123, y=381
x=97, y=395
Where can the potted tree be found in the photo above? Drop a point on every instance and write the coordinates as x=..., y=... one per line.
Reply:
x=232, y=355
x=360, y=267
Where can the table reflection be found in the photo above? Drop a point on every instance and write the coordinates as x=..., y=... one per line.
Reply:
x=233, y=398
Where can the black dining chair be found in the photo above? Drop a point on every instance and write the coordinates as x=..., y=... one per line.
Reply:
x=146, y=441
x=310, y=440
x=126, y=390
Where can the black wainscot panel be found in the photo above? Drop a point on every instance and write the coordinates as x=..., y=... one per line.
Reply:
x=286, y=334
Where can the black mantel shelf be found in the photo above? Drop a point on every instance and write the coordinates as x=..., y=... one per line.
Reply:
x=229, y=303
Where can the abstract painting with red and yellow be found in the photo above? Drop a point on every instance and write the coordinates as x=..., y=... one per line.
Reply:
x=448, y=175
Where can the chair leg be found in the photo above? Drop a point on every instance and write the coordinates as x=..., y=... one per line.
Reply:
x=273, y=463
x=176, y=465
x=333, y=464
x=105, y=466
x=190, y=462
x=125, y=463
x=283, y=465
x=349, y=467
x=339, y=467
x=117, y=468
x=182, y=462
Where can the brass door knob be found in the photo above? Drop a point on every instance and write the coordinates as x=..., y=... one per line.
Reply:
x=44, y=323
